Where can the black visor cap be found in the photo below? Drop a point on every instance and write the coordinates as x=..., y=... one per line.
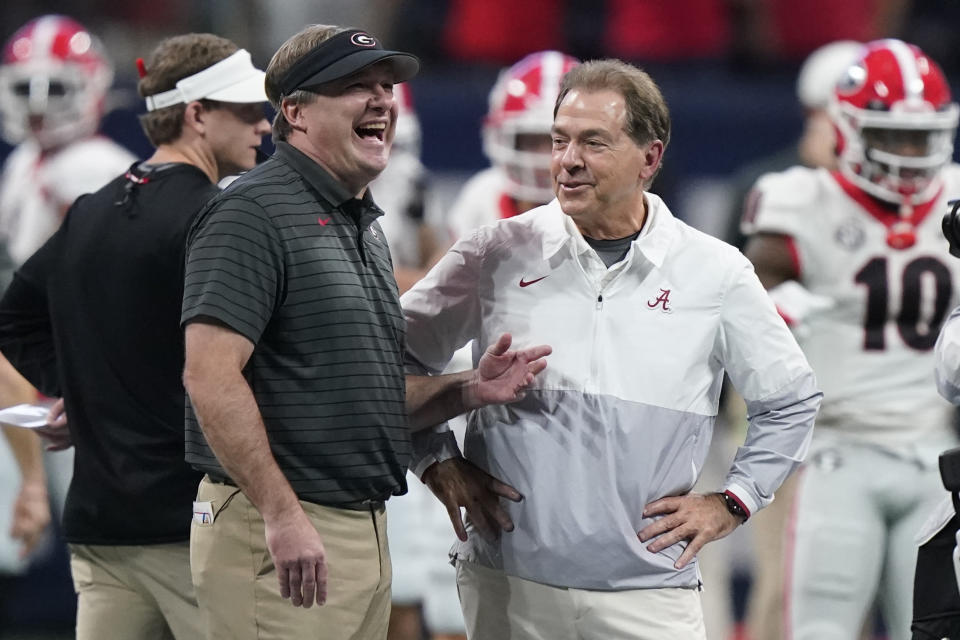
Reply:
x=343, y=55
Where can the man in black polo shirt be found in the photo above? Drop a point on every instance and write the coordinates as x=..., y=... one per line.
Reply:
x=300, y=414
x=93, y=315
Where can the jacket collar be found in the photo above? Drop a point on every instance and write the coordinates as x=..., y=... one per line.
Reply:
x=659, y=231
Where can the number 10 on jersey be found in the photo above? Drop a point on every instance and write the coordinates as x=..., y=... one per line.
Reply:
x=918, y=330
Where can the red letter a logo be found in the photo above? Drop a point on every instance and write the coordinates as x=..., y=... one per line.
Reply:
x=662, y=299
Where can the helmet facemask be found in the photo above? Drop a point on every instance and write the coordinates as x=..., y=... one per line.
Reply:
x=53, y=83
x=897, y=157
x=53, y=106
x=523, y=154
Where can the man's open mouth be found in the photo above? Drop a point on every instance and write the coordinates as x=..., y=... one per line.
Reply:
x=373, y=130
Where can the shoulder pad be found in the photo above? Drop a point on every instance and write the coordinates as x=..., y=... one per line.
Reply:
x=780, y=202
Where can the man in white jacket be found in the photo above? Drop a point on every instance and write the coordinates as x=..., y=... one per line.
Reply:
x=645, y=315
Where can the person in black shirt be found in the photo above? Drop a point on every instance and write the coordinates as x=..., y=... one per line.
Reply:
x=93, y=316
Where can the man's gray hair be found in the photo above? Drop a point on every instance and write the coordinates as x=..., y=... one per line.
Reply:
x=648, y=118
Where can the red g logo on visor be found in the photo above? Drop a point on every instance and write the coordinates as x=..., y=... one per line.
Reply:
x=363, y=40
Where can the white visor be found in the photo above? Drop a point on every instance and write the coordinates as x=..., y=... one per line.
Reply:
x=233, y=79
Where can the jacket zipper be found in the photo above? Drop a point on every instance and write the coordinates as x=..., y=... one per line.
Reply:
x=594, y=359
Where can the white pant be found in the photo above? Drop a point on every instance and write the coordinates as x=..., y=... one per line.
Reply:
x=501, y=607
x=858, y=510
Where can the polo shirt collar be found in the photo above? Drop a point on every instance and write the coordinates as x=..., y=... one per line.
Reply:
x=326, y=186
x=659, y=231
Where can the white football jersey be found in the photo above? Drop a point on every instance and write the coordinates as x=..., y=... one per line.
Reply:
x=872, y=350
x=482, y=200
x=37, y=188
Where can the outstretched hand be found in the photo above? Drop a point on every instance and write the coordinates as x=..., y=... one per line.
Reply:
x=503, y=375
x=459, y=483
x=699, y=518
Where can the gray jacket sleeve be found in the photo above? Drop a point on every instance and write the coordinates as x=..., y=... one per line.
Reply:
x=769, y=370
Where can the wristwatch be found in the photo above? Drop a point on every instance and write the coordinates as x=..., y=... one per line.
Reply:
x=734, y=507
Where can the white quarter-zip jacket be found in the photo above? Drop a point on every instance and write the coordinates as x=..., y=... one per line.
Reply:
x=624, y=412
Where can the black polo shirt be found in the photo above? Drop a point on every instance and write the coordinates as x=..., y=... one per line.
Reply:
x=289, y=259
x=94, y=316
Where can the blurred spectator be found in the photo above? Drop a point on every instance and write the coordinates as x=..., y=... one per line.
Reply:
x=653, y=30
x=501, y=31
x=788, y=30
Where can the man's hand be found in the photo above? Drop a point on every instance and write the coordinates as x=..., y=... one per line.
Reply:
x=459, y=483
x=56, y=432
x=299, y=558
x=503, y=375
x=31, y=515
x=699, y=518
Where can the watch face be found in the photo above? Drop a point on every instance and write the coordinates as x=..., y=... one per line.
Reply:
x=734, y=507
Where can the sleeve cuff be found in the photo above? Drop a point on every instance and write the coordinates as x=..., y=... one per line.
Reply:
x=432, y=446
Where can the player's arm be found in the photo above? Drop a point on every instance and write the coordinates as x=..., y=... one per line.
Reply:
x=234, y=429
x=775, y=263
x=31, y=511
x=772, y=258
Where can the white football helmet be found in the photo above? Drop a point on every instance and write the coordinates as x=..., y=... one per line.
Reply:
x=821, y=69
x=895, y=122
x=53, y=82
x=516, y=131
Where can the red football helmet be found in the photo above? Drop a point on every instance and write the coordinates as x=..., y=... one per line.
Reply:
x=53, y=82
x=516, y=131
x=895, y=122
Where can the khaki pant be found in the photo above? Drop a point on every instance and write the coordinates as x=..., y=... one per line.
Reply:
x=497, y=607
x=133, y=592
x=237, y=586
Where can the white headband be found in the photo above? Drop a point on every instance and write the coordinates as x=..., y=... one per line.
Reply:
x=233, y=79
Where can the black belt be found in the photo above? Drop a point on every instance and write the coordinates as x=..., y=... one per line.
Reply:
x=359, y=505
x=216, y=478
